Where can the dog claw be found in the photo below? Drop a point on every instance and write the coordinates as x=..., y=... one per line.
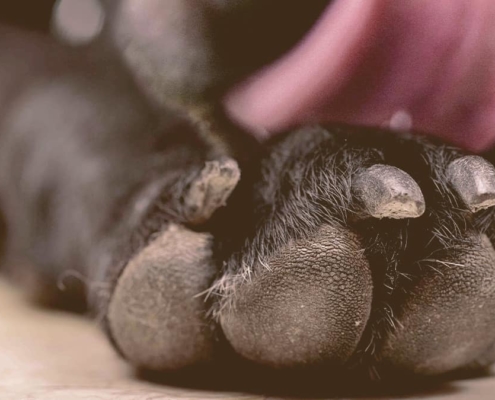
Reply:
x=388, y=192
x=211, y=189
x=473, y=178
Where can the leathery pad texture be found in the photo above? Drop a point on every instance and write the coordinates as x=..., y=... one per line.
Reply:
x=306, y=276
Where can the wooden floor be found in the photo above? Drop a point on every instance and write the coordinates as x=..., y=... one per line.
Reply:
x=52, y=356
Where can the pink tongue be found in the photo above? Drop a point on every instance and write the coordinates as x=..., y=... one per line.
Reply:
x=429, y=65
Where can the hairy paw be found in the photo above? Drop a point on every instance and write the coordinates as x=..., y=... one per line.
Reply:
x=368, y=250
x=343, y=247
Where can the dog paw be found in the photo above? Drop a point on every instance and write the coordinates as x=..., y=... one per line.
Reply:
x=345, y=247
x=156, y=315
x=365, y=249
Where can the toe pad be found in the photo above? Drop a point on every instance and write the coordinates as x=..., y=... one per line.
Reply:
x=155, y=316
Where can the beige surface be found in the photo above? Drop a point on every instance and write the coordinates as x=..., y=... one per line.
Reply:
x=50, y=355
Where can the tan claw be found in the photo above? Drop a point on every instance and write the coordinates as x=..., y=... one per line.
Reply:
x=473, y=178
x=388, y=192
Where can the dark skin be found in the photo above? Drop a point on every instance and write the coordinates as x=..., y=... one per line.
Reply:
x=337, y=244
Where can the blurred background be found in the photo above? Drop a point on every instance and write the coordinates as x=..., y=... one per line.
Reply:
x=28, y=14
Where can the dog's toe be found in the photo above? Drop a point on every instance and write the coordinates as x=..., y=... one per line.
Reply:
x=157, y=316
x=306, y=304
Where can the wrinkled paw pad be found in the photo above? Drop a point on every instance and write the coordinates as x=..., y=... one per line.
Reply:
x=296, y=307
x=155, y=317
x=447, y=320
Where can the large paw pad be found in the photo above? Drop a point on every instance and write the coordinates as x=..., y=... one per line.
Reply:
x=155, y=317
x=307, y=303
